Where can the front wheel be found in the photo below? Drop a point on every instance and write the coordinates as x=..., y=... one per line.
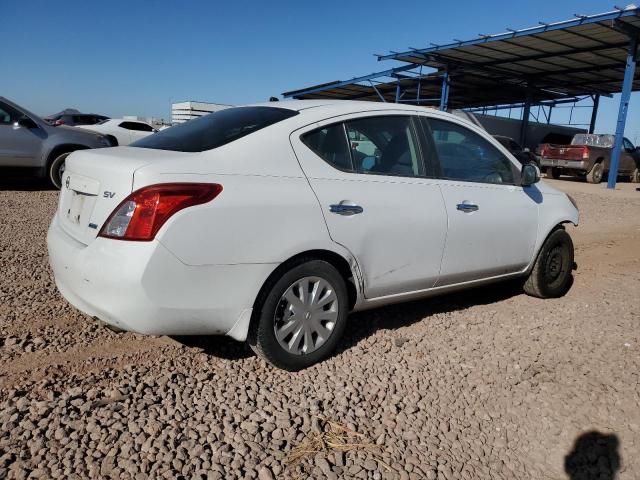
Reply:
x=56, y=170
x=302, y=316
x=551, y=274
x=635, y=176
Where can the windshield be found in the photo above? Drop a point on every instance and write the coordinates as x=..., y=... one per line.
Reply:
x=214, y=130
x=593, y=140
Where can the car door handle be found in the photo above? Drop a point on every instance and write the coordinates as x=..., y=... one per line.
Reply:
x=345, y=209
x=467, y=207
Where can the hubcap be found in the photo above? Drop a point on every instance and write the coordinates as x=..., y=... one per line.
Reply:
x=306, y=315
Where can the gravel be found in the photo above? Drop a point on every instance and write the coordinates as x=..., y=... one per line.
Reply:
x=487, y=383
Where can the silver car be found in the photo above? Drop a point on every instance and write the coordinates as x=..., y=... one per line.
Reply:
x=27, y=141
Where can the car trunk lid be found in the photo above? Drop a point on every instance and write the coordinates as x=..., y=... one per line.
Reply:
x=95, y=182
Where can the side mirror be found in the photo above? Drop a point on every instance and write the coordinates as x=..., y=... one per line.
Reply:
x=530, y=174
x=25, y=122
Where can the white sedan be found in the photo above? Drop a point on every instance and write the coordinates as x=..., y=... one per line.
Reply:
x=121, y=131
x=270, y=223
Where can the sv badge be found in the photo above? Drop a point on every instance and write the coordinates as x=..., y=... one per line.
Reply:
x=109, y=194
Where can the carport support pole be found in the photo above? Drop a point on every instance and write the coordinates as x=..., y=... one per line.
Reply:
x=594, y=112
x=629, y=72
x=525, y=121
x=398, y=91
x=444, y=95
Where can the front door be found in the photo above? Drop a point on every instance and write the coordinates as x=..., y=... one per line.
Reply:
x=19, y=146
x=369, y=177
x=493, y=222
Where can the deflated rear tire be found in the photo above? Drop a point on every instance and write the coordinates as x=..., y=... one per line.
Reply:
x=551, y=274
x=301, y=316
x=56, y=170
x=596, y=173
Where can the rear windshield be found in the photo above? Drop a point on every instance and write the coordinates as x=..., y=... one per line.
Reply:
x=215, y=129
x=593, y=140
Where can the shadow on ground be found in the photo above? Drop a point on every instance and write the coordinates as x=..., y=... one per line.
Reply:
x=364, y=324
x=15, y=180
x=594, y=456
x=217, y=346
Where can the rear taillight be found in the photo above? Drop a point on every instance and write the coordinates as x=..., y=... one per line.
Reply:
x=585, y=153
x=58, y=122
x=141, y=214
x=543, y=149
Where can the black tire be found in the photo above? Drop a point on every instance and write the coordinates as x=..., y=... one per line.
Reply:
x=262, y=336
x=56, y=170
x=635, y=176
x=596, y=173
x=553, y=172
x=551, y=274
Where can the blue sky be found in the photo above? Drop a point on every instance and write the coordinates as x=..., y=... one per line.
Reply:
x=136, y=58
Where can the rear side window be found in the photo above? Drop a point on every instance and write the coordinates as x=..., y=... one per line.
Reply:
x=385, y=145
x=216, y=129
x=330, y=144
x=465, y=155
x=8, y=114
x=140, y=127
x=82, y=119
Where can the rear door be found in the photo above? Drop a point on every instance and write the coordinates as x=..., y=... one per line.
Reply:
x=19, y=146
x=370, y=179
x=493, y=222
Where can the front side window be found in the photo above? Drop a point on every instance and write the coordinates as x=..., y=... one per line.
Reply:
x=465, y=155
x=384, y=145
x=626, y=143
x=215, y=129
x=8, y=115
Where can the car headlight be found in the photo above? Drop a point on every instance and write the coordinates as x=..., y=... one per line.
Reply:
x=573, y=202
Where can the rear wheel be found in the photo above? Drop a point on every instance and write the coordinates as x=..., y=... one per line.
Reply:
x=302, y=316
x=56, y=169
x=551, y=274
x=596, y=173
x=553, y=172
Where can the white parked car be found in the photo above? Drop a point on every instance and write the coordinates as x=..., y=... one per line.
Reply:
x=121, y=131
x=267, y=224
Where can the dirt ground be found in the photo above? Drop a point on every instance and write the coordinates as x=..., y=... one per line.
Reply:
x=489, y=383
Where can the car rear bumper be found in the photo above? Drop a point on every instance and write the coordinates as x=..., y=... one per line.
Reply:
x=582, y=165
x=143, y=287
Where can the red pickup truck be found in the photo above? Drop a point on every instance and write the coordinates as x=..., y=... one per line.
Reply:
x=589, y=156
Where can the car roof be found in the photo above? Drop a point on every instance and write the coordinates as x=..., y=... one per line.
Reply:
x=355, y=105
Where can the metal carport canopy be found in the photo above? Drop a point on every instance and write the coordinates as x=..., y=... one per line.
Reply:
x=587, y=55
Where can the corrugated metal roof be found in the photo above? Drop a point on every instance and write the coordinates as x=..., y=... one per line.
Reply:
x=582, y=56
